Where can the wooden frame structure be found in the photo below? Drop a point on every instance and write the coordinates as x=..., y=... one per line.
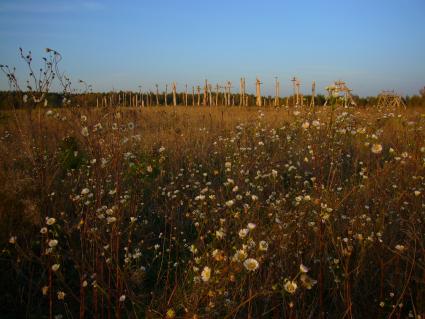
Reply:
x=390, y=99
x=340, y=87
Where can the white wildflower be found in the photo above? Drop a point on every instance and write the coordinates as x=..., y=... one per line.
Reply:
x=251, y=264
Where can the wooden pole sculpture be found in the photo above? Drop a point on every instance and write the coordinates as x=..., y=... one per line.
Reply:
x=210, y=94
x=165, y=94
x=245, y=97
x=347, y=93
x=294, y=86
x=298, y=84
x=241, y=93
x=157, y=94
x=198, y=92
x=216, y=94
x=341, y=87
x=313, y=93
x=294, y=89
x=336, y=89
x=193, y=96
x=258, y=92
x=204, y=102
x=185, y=96
x=229, y=93
x=174, y=94
x=277, y=92
x=138, y=94
x=390, y=100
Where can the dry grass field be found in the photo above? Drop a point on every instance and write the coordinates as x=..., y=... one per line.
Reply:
x=212, y=213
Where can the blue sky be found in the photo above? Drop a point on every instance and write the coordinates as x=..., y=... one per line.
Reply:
x=372, y=45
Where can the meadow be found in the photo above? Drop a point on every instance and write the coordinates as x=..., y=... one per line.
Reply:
x=212, y=212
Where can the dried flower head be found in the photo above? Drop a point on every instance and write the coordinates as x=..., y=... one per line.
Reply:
x=251, y=264
x=206, y=274
x=376, y=148
x=290, y=286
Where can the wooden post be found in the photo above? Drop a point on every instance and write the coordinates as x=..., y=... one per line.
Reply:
x=216, y=94
x=185, y=96
x=242, y=101
x=226, y=96
x=298, y=92
x=228, y=102
x=97, y=102
x=240, y=93
x=277, y=92
x=174, y=94
x=198, y=91
x=258, y=92
x=294, y=86
x=210, y=100
x=138, y=95
x=165, y=95
x=229, y=93
x=313, y=93
x=205, y=93
x=193, y=96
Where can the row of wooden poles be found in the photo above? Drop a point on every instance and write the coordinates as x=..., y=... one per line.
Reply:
x=211, y=96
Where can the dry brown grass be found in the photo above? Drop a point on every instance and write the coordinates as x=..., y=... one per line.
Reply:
x=180, y=186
